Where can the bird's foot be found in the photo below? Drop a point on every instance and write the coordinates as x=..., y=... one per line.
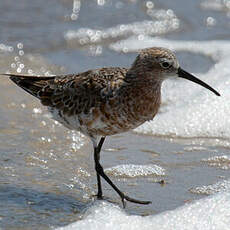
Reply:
x=127, y=198
x=123, y=199
x=99, y=196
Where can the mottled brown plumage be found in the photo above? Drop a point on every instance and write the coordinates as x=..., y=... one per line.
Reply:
x=106, y=97
x=107, y=101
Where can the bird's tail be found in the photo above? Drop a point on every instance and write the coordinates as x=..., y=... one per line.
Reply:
x=34, y=85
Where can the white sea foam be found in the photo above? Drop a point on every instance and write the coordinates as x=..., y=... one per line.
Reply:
x=222, y=162
x=217, y=5
x=209, y=213
x=6, y=48
x=189, y=110
x=163, y=21
x=221, y=186
x=131, y=170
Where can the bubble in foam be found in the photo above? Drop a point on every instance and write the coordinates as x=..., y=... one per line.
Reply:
x=20, y=45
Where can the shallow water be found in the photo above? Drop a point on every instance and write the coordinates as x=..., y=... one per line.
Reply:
x=47, y=172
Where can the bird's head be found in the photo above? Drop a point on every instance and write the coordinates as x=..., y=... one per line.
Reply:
x=158, y=63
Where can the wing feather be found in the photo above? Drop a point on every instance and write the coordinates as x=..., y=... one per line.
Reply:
x=74, y=93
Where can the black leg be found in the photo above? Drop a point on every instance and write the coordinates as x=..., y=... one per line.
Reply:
x=100, y=172
x=97, y=151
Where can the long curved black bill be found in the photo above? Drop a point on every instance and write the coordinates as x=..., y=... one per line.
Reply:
x=182, y=73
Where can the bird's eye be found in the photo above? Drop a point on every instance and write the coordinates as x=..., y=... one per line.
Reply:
x=165, y=64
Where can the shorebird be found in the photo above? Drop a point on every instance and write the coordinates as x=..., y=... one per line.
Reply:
x=108, y=101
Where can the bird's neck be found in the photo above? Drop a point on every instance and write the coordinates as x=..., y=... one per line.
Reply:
x=146, y=91
x=146, y=81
